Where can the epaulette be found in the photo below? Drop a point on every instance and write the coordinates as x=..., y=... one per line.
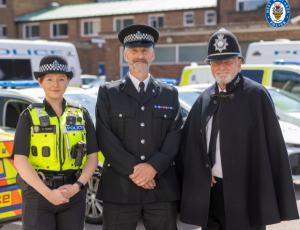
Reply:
x=74, y=105
x=36, y=105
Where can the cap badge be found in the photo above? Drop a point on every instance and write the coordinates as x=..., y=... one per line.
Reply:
x=55, y=63
x=220, y=43
x=139, y=35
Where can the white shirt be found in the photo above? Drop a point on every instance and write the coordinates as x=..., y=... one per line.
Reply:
x=136, y=82
x=217, y=169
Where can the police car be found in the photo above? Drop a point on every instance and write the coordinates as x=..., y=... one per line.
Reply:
x=12, y=103
x=291, y=133
x=285, y=77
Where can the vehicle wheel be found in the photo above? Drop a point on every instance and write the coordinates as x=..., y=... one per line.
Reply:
x=94, y=208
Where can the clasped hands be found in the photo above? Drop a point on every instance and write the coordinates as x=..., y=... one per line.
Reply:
x=63, y=194
x=143, y=176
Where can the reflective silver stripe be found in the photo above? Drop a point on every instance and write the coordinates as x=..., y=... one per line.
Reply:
x=222, y=54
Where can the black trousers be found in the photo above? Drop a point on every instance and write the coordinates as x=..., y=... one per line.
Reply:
x=39, y=214
x=155, y=216
x=216, y=218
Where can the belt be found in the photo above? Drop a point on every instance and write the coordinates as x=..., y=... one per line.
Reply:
x=55, y=181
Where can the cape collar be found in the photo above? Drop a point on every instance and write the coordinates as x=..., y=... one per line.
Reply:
x=50, y=110
x=231, y=86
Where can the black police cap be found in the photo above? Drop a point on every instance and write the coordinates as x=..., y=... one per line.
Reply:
x=223, y=45
x=138, y=36
x=53, y=63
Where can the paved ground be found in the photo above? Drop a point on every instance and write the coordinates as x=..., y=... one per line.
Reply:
x=289, y=225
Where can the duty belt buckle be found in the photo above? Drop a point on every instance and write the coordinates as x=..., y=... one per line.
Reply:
x=42, y=175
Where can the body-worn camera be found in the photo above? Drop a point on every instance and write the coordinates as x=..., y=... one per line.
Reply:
x=78, y=151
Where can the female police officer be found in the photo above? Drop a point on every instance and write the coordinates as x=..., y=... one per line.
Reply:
x=49, y=136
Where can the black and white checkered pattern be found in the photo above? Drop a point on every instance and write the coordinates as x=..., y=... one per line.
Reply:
x=51, y=67
x=134, y=38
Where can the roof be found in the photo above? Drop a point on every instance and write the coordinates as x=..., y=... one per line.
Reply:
x=114, y=8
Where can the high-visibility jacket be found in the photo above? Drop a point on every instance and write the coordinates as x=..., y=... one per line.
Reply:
x=48, y=145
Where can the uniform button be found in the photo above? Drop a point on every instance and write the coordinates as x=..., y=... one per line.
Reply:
x=143, y=141
x=165, y=116
x=143, y=158
x=108, y=165
x=215, y=102
x=120, y=115
x=207, y=165
x=153, y=90
x=142, y=108
x=200, y=130
x=143, y=124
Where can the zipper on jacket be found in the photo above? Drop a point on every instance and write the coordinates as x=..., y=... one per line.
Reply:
x=60, y=160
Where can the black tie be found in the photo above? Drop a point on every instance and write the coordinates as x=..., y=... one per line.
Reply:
x=142, y=87
x=213, y=137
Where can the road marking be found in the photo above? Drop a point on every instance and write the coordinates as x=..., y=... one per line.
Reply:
x=17, y=223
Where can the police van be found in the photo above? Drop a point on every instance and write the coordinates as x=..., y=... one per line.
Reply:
x=265, y=52
x=285, y=77
x=19, y=58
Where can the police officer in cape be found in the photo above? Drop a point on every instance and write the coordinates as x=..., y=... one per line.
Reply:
x=138, y=126
x=55, y=152
x=237, y=174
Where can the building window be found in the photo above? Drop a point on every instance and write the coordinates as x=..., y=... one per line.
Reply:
x=90, y=27
x=210, y=17
x=120, y=23
x=2, y=3
x=188, y=19
x=59, y=30
x=31, y=31
x=245, y=5
x=156, y=21
x=3, y=31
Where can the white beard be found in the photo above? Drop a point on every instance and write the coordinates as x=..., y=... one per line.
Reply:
x=138, y=68
x=223, y=77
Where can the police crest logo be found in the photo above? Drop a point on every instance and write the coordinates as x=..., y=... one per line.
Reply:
x=55, y=63
x=220, y=43
x=36, y=128
x=278, y=13
x=139, y=35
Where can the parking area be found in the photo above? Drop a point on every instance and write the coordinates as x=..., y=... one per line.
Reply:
x=289, y=225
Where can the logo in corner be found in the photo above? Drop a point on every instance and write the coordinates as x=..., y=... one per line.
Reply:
x=278, y=13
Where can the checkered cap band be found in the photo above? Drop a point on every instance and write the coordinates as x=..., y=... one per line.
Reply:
x=51, y=67
x=135, y=38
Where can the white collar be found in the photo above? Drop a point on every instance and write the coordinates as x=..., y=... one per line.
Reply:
x=136, y=82
x=222, y=90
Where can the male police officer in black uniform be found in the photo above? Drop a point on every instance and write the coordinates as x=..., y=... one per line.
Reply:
x=138, y=128
x=237, y=174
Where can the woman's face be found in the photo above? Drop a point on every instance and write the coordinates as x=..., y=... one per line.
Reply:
x=54, y=85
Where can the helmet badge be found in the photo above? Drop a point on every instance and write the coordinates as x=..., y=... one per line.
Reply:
x=55, y=63
x=220, y=43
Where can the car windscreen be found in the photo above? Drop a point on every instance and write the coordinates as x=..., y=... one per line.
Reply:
x=255, y=75
x=189, y=97
x=15, y=69
x=86, y=81
x=285, y=101
x=97, y=83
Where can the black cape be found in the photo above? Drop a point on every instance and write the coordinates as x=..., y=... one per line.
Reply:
x=258, y=186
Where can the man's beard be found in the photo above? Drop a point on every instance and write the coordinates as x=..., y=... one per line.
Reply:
x=223, y=77
x=137, y=68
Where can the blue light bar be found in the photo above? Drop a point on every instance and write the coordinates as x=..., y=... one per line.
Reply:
x=18, y=83
x=284, y=62
x=169, y=80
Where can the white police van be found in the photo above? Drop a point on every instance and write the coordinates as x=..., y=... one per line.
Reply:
x=19, y=58
x=265, y=52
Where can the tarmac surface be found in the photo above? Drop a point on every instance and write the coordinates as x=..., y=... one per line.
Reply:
x=287, y=225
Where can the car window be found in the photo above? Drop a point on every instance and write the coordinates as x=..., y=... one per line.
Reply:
x=184, y=114
x=12, y=110
x=255, y=75
x=15, y=69
x=285, y=101
x=86, y=81
x=287, y=80
x=97, y=82
x=189, y=97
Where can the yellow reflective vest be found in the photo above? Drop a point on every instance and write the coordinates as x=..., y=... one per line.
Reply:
x=48, y=146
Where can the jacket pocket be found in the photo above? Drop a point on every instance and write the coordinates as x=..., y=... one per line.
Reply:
x=162, y=122
x=122, y=122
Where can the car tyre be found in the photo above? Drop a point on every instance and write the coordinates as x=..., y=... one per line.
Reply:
x=94, y=207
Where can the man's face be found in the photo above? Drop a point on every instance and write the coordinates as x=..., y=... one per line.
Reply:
x=139, y=58
x=225, y=71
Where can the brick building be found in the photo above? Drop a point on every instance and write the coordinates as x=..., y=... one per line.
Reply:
x=185, y=28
